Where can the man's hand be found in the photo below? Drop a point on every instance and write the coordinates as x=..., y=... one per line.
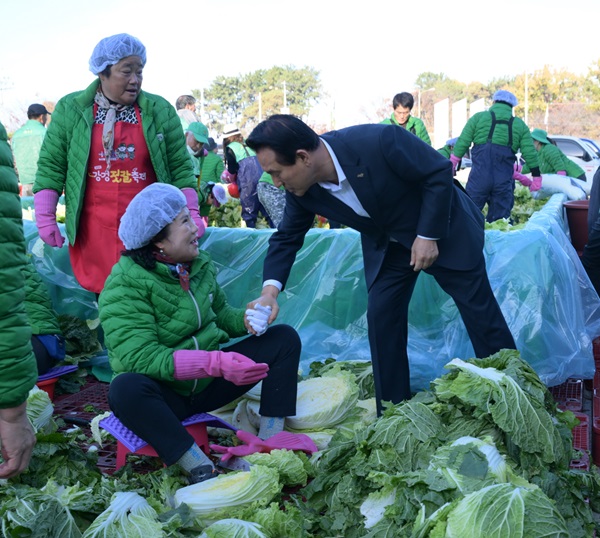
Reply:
x=267, y=298
x=423, y=253
x=17, y=440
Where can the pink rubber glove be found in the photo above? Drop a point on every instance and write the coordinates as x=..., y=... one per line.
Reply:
x=517, y=167
x=227, y=177
x=455, y=162
x=192, y=203
x=562, y=173
x=536, y=184
x=524, y=180
x=234, y=367
x=281, y=440
x=44, y=203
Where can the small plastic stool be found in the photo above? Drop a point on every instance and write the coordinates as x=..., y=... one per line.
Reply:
x=47, y=381
x=129, y=443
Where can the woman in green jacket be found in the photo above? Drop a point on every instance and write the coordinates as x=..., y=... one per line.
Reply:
x=17, y=363
x=104, y=145
x=166, y=320
x=552, y=159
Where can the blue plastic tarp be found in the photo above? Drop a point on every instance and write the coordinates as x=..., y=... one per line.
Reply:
x=541, y=286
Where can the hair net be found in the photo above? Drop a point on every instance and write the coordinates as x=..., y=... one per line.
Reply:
x=506, y=97
x=113, y=49
x=149, y=212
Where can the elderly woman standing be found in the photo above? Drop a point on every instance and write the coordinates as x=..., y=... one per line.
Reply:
x=166, y=319
x=104, y=145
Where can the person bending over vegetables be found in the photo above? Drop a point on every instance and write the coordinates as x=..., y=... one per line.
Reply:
x=166, y=319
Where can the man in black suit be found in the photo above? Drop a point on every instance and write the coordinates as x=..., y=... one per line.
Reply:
x=399, y=194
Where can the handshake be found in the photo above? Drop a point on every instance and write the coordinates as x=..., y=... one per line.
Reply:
x=258, y=318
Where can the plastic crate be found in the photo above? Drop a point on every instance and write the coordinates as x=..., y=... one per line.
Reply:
x=581, y=432
x=596, y=441
x=569, y=395
x=596, y=349
x=74, y=405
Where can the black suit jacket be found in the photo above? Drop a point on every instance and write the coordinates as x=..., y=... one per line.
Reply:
x=407, y=189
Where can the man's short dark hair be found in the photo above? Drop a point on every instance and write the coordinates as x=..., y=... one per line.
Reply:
x=285, y=135
x=184, y=100
x=403, y=99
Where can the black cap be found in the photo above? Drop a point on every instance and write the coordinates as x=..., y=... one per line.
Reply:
x=211, y=144
x=37, y=110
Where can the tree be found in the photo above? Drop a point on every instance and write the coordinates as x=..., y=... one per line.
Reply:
x=245, y=99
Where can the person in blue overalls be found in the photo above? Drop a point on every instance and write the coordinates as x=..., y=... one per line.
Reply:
x=496, y=136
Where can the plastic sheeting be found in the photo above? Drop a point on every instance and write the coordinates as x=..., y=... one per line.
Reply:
x=541, y=286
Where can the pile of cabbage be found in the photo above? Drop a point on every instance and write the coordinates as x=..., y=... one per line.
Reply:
x=484, y=452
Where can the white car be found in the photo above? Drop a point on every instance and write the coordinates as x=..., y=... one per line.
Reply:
x=580, y=152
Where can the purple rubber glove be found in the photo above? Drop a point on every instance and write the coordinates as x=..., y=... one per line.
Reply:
x=562, y=173
x=281, y=440
x=536, y=184
x=524, y=180
x=44, y=203
x=455, y=162
x=227, y=177
x=234, y=367
x=192, y=203
x=517, y=167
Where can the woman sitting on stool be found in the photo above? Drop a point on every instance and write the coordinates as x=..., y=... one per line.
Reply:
x=165, y=319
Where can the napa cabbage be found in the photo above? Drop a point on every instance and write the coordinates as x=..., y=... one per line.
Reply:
x=40, y=410
x=498, y=511
x=233, y=528
x=497, y=395
x=290, y=465
x=214, y=499
x=373, y=507
x=323, y=402
x=128, y=514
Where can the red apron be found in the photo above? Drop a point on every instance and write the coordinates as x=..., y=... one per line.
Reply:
x=97, y=245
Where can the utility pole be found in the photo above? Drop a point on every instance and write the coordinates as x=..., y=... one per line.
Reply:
x=285, y=109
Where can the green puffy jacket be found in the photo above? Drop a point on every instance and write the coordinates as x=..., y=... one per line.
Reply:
x=477, y=129
x=38, y=305
x=212, y=168
x=552, y=160
x=64, y=155
x=414, y=125
x=146, y=316
x=17, y=363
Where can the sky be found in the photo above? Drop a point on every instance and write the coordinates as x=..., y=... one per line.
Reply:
x=365, y=52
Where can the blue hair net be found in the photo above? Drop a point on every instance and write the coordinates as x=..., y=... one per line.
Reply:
x=113, y=49
x=149, y=212
x=506, y=97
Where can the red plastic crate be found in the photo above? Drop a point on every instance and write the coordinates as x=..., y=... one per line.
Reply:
x=582, y=463
x=73, y=405
x=596, y=441
x=596, y=349
x=569, y=395
x=581, y=432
